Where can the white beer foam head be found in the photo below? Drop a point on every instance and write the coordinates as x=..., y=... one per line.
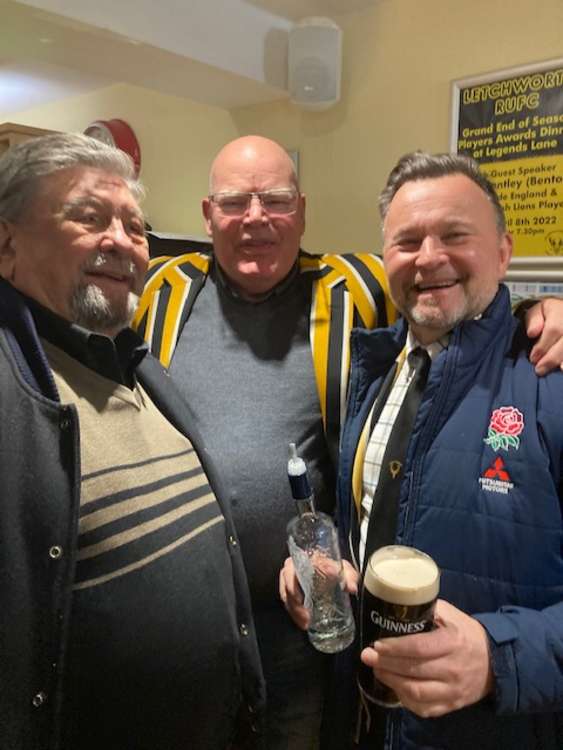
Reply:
x=402, y=575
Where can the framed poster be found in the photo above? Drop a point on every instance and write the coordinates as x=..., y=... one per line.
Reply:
x=511, y=122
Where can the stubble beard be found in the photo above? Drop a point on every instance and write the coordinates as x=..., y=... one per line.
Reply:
x=432, y=317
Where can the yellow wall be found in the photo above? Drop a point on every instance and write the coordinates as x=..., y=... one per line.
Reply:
x=399, y=59
x=177, y=138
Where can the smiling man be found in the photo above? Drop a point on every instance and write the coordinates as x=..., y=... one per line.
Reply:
x=76, y=254
x=256, y=216
x=480, y=481
x=445, y=252
x=123, y=589
x=256, y=337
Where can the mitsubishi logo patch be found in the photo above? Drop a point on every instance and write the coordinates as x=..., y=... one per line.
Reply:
x=496, y=478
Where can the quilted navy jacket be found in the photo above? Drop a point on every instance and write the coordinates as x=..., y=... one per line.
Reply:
x=485, y=499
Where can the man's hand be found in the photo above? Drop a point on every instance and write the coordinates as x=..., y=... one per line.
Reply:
x=437, y=672
x=292, y=595
x=545, y=319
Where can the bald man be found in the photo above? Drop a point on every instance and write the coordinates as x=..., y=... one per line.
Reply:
x=264, y=361
x=256, y=309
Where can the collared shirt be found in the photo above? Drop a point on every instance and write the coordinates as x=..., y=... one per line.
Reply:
x=377, y=444
x=115, y=359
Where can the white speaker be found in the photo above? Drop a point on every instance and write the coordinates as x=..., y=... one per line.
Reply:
x=315, y=63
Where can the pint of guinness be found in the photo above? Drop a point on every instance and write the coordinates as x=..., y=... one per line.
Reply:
x=398, y=596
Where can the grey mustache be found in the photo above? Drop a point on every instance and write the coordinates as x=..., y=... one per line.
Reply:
x=105, y=262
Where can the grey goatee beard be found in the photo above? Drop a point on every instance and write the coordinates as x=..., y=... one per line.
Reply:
x=91, y=308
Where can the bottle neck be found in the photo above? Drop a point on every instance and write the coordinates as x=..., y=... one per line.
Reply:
x=305, y=505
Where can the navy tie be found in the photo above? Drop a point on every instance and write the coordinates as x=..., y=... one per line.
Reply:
x=382, y=526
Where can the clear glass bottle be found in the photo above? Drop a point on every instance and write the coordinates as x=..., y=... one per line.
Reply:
x=314, y=549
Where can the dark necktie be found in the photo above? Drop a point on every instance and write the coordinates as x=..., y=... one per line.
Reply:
x=382, y=524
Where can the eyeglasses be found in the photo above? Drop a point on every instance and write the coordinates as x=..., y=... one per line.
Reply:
x=278, y=202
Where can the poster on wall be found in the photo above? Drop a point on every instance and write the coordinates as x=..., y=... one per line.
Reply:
x=511, y=122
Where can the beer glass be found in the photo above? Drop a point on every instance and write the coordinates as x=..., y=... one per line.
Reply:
x=398, y=595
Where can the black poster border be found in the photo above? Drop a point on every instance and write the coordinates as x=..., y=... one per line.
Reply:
x=546, y=267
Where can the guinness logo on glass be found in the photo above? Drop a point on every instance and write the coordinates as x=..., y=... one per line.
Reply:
x=398, y=596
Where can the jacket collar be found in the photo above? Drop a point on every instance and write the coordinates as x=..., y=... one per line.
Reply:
x=24, y=341
x=374, y=350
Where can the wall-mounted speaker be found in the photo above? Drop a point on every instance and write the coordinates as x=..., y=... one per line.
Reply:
x=315, y=63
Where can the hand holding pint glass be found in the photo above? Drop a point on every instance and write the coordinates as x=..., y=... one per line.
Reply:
x=398, y=596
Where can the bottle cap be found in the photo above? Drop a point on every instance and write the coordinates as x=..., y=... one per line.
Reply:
x=297, y=474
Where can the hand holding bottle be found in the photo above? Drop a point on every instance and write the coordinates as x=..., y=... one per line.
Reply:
x=313, y=545
x=292, y=596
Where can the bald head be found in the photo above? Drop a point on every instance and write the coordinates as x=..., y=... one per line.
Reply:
x=249, y=152
x=257, y=246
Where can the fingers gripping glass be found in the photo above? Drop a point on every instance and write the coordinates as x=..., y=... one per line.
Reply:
x=280, y=202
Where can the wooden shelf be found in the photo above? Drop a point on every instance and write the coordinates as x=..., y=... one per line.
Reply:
x=12, y=134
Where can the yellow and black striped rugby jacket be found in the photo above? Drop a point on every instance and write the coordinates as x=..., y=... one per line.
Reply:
x=347, y=291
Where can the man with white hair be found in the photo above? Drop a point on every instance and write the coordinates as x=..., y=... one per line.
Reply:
x=126, y=619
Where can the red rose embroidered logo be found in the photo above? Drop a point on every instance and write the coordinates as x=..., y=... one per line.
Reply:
x=505, y=426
